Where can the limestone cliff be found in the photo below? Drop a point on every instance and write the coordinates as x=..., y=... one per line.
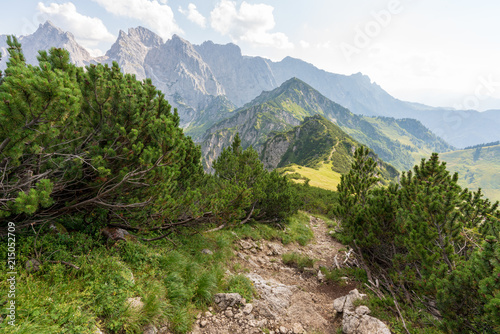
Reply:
x=130, y=50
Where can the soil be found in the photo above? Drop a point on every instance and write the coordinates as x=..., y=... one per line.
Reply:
x=289, y=301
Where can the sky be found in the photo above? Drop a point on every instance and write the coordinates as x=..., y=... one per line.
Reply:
x=437, y=52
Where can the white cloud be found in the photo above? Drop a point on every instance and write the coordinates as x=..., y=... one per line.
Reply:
x=250, y=23
x=89, y=31
x=153, y=14
x=304, y=44
x=194, y=15
x=95, y=52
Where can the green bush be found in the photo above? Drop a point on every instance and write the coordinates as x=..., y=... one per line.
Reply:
x=297, y=260
x=242, y=285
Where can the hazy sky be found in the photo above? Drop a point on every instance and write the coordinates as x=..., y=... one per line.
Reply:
x=438, y=52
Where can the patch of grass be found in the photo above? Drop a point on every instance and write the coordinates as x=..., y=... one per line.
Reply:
x=297, y=230
x=335, y=275
x=294, y=229
x=331, y=223
x=172, y=281
x=322, y=177
x=242, y=285
x=297, y=260
x=416, y=321
x=477, y=168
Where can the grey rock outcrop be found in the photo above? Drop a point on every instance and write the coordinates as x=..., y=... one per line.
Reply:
x=130, y=50
x=176, y=68
x=355, y=320
x=277, y=147
x=225, y=300
x=243, y=78
x=274, y=296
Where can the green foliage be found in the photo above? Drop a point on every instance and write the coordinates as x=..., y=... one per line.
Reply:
x=74, y=141
x=316, y=200
x=294, y=229
x=298, y=230
x=245, y=190
x=422, y=236
x=171, y=283
x=297, y=260
x=470, y=295
x=354, y=190
x=242, y=285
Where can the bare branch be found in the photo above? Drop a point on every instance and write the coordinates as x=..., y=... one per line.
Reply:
x=66, y=264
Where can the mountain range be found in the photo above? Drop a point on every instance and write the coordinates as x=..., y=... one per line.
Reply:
x=218, y=91
x=399, y=142
x=213, y=80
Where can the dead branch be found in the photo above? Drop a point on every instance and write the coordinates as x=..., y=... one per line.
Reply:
x=217, y=228
x=66, y=264
x=249, y=215
x=336, y=262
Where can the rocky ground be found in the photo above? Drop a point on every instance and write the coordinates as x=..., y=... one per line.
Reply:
x=290, y=300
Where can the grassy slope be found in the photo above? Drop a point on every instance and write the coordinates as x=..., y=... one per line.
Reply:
x=402, y=143
x=409, y=141
x=477, y=170
x=322, y=177
x=174, y=279
x=320, y=151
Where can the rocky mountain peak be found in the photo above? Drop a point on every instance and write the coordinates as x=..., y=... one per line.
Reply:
x=130, y=50
x=145, y=36
x=243, y=77
x=47, y=36
x=48, y=25
x=180, y=43
x=228, y=50
x=176, y=68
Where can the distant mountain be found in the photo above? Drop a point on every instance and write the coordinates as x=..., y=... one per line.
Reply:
x=199, y=78
x=319, y=144
x=130, y=50
x=477, y=168
x=355, y=92
x=288, y=105
x=46, y=36
x=243, y=78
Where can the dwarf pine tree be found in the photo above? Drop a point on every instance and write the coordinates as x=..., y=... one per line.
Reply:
x=429, y=218
x=354, y=189
x=82, y=142
x=245, y=190
x=428, y=241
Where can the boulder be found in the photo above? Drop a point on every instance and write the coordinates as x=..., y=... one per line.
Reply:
x=135, y=303
x=356, y=320
x=32, y=265
x=115, y=234
x=225, y=300
x=354, y=323
x=150, y=329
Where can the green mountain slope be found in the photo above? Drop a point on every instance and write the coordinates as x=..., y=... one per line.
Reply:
x=397, y=142
x=410, y=140
x=477, y=168
x=219, y=108
x=318, y=145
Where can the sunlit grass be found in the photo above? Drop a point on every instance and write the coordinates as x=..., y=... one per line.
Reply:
x=323, y=177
